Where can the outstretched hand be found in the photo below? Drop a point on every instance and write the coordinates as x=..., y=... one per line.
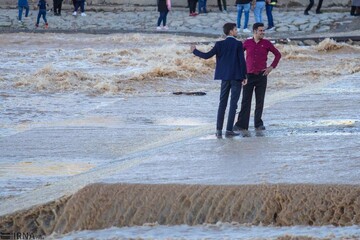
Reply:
x=192, y=47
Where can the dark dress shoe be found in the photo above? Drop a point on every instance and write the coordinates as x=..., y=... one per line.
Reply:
x=245, y=133
x=260, y=128
x=231, y=134
x=306, y=13
x=218, y=134
x=319, y=12
x=238, y=129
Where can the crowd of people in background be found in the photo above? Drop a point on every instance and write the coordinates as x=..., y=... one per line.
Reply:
x=245, y=6
x=42, y=9
x=164, y=6
x=242, y=6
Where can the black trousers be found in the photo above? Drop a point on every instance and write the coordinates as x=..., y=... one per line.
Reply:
x=192, y=6
x=57, y=6
x=228, y=87
x=257, y=83
x=311, y=4
x=219, y=4
x=81, y=5
x=354, y=11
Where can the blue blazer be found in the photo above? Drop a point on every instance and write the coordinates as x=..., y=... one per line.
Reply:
x=230, y=61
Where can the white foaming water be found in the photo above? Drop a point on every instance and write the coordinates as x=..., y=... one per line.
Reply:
x=118, y=64
x=217, y=231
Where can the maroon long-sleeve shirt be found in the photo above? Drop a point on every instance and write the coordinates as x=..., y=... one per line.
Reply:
x=256, y=55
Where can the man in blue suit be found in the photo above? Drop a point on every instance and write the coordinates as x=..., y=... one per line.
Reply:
x=231, y=70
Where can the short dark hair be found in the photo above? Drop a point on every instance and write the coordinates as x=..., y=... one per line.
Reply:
x=228, y=27
x=257, y=25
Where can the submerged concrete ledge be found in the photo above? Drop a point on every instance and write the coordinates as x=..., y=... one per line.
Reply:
x=101, y=206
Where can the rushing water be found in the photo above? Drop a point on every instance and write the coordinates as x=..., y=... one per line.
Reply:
x=81, y=109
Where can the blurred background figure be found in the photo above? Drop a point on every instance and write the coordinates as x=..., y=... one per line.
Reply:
x=243, y=5
x=258, y=9
x=202, y=6
x=81, y=4
x=355, y=8
x=42, y=13
x=311, y=4
x=23, y=4
x=57, y=4
x=268, y=8
x=164, y=6
x=193, y=8
x=222, y=7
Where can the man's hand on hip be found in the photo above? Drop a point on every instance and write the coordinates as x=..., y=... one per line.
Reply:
x=268, y=70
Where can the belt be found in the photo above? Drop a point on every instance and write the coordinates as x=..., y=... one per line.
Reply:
x=257, y=73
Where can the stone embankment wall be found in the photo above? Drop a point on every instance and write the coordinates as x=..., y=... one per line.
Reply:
x=180, y=3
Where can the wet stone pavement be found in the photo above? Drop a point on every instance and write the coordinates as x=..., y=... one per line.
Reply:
x=288, y=22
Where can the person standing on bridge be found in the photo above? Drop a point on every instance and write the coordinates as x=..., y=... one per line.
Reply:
x=258, y=9
x=202, y=6
x=355, y=8
x=223, y=6
x=79, y=4
x=164, y=6
x=268, y=8
x=57, y=5
x=192, y=8
x=231, y=70
x=257, y=49
x=311, y=4
x=42, y=13
x=243, y=6
x=23, y=4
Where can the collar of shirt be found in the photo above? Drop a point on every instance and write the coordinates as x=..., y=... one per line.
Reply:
x=230, y=37
x=261, y=40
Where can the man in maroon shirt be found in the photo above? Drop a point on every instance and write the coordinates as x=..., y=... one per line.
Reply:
x=257, y=50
